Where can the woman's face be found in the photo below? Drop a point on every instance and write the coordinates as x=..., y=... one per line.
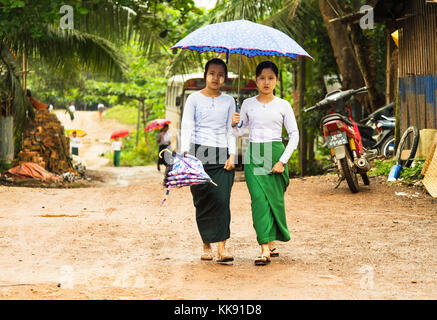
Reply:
x=266, y=81
x=215, y=77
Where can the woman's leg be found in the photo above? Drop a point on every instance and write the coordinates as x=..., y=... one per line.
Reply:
x=264, y=258
x=222, y=254
x=273, y=251
x=207, y=252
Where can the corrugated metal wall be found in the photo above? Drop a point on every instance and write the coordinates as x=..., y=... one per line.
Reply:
x=418, y=66
x=418, y=102
x=417, y=40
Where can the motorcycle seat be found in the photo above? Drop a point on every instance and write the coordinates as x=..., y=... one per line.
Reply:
x=335, y=116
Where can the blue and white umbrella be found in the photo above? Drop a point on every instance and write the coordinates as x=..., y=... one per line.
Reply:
x=241, y=37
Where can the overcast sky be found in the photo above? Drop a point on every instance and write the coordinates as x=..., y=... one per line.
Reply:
x=208, y=4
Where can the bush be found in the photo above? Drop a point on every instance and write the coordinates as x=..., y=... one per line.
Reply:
x=123, y=114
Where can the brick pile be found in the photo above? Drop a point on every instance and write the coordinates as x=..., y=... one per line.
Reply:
x=45, y=143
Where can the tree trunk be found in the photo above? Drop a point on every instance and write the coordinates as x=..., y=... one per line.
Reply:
x=391, y=65
x=6, y=140
x=343, y=51
x=145, y=116
x=362, y=55
x=138, y=123
x=302, y=130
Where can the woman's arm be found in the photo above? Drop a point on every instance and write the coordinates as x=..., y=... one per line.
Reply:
x=290, y=125
x=232, y=140
x=238, y=129
x=187, y=124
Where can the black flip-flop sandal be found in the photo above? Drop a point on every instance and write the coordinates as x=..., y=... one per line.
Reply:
x=262, y=261
x=225, y=259
x=206, y=257
x=274, y=253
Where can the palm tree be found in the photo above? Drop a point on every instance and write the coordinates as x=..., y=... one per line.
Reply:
x=58, y=49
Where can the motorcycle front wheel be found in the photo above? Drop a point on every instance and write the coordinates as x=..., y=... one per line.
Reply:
x=348, y=172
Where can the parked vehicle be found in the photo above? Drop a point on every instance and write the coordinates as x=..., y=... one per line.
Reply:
x=343, y=137
x=377, y=131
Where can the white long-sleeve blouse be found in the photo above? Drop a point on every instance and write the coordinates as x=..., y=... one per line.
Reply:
x=265, y=123
x=208, y=121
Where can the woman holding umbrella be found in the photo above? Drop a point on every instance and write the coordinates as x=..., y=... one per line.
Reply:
x=206, y=133
x=265, y=161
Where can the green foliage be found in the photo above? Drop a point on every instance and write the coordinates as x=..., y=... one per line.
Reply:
x=122, y=113
x=145, y=154
x=381, y=167
x=414, y=172
x=293, y=164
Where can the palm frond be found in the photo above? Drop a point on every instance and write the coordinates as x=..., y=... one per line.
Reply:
x=253, y=10
x=108, y=21
x=59, y=47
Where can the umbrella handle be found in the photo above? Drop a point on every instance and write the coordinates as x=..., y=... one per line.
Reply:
x=160, y=154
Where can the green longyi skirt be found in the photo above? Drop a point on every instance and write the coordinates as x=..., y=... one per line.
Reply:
x=267, y=191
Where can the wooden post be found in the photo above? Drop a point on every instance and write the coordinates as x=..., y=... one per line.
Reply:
x=138, y=122
x=302, y=131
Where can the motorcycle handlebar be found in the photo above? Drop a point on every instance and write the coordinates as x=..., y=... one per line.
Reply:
x=325, y=102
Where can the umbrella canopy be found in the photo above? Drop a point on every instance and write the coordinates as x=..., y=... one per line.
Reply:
x=156, y=124
x=242, y=37
x=185, y=170
x=79, y=133
x=119, y=133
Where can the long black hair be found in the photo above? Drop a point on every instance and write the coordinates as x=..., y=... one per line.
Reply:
x=218, y=62
x=267, y=65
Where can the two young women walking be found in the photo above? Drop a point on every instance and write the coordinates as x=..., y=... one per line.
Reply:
x=209, y=129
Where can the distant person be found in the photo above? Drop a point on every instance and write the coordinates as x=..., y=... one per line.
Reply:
x=117, y=145
x=100, y=108
x=164, y=140
x=38, y=105
x=72, y=109
x=75, y=144
x=50, y=108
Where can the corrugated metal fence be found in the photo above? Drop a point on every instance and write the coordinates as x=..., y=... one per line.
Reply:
x=418, y=101
x=418, y=66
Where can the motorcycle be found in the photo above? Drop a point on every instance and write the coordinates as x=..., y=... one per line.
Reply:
x=377, y=131
x=343, y=137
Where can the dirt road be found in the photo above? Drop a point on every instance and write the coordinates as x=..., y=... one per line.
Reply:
x=115, y=241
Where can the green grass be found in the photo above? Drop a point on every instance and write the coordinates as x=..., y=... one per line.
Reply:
x=383, y=167
x=123, y=114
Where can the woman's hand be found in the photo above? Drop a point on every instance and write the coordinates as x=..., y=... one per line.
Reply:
x=230, y=163
x=278, y=167
x=235, y=119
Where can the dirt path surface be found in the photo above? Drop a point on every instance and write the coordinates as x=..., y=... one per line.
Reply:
x=115, y=241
